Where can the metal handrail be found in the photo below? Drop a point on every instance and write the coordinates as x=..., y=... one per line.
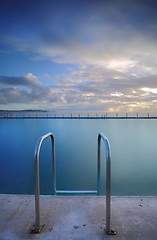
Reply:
x=37, y=228
x=109, y=230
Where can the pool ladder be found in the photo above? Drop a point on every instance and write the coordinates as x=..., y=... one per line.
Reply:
x=37, y=228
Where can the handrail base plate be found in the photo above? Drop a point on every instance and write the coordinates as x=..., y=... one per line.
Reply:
x=33, y=230
x=112, y=231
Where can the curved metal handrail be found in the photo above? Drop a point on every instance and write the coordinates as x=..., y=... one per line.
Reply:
x=109, y=230
x=37, y=228
x=37, y=183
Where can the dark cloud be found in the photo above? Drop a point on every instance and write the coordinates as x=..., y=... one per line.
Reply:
x=19, y=81
x=53, y=19
x=26, y=89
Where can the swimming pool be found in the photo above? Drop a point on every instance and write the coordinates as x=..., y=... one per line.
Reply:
x=133, y=155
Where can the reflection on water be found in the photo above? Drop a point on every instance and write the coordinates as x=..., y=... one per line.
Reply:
x=133, y=155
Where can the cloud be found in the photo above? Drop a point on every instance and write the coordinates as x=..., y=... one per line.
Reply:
x=115, y=35
x=86, y=88
x=111, y=45
x=28, y=80
x=25, y=89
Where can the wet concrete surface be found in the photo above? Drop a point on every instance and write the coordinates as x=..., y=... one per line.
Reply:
x=78, y=218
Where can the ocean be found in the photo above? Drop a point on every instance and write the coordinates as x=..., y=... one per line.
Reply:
x=133, y=155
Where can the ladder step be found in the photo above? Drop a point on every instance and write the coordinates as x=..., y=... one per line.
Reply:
x=58, y=192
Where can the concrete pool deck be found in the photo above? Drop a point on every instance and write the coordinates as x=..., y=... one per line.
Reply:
x=78, y=218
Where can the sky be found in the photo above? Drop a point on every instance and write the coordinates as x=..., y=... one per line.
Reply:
x=79, y=55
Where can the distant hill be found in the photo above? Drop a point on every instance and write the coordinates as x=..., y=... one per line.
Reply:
x=28, y=110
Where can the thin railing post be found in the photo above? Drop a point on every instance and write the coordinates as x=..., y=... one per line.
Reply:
x=53, y=164
x=109, y=230
x=98, y=170
x=37, y=193
x=108, y=188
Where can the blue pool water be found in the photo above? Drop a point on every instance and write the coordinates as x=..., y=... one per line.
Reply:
x=133, y=155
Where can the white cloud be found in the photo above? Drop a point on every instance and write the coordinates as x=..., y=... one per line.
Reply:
x=150, y=90
x=117, y=94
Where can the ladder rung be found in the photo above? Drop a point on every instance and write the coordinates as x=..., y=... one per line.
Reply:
x=75, y=192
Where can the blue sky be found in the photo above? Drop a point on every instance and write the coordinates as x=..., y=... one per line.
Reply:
x=78, y=55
